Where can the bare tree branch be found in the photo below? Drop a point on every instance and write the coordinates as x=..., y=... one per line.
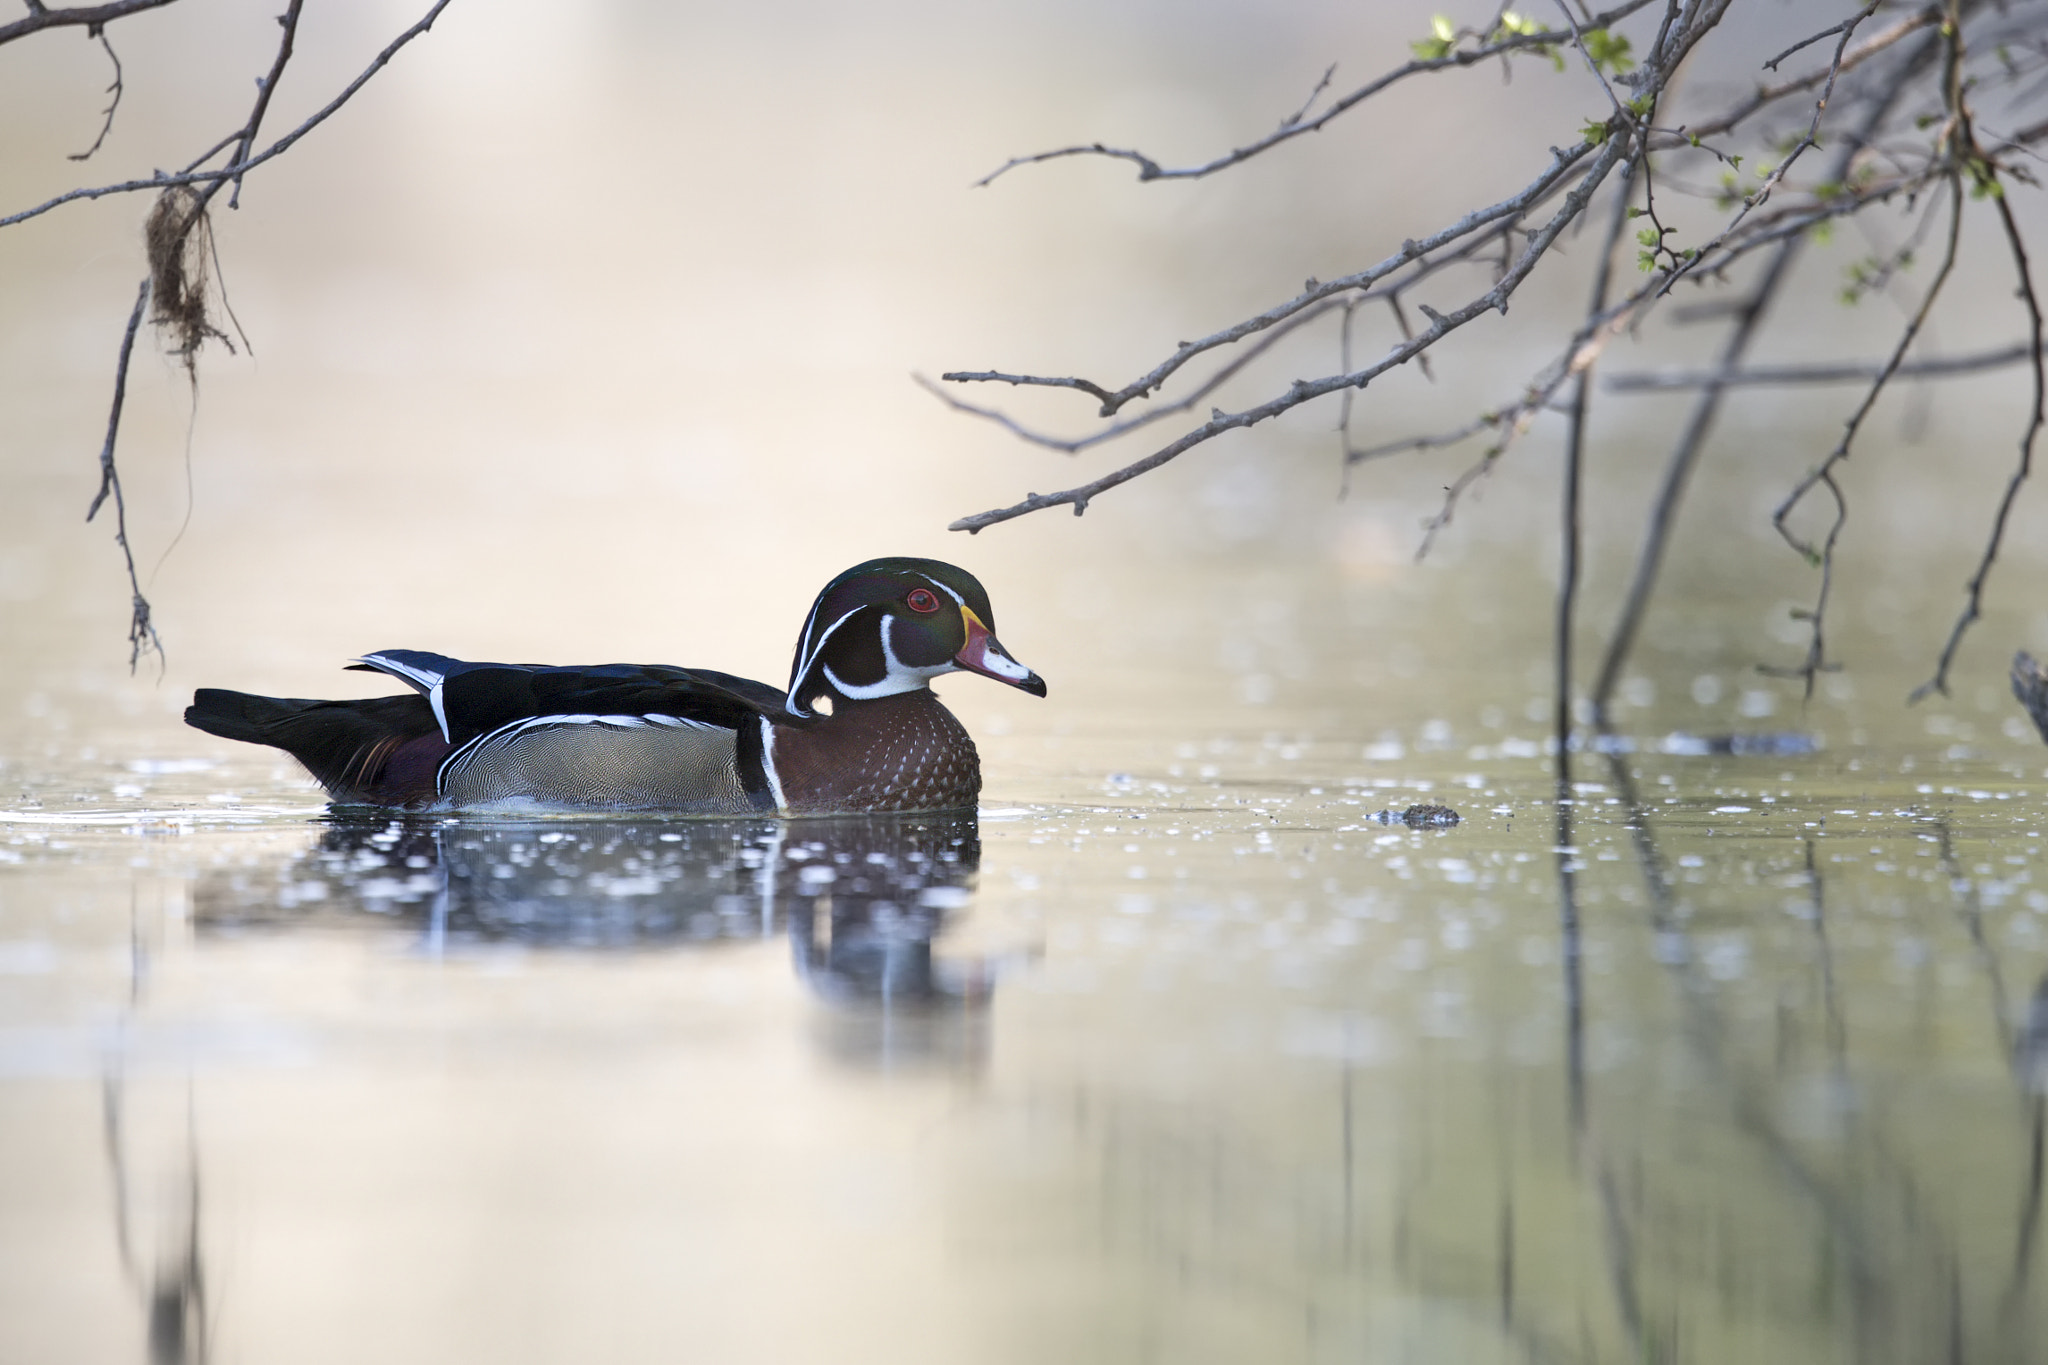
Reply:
x=239, y=168
x=1767, y=95
x=1303, y=390
x=1692, y=438
x=289, y=22
x=142, y=636
x=178, y=237
x=1077, y=444
x=1847, y=26
x=1824, y=555
x=1845, y=372
x=89, y=17
x=1150, y=169
x=1562, y=163
x=1892, y=133
x=1811, y=139
x=1974, y=591
x=1298, y=115
x=1569, y=536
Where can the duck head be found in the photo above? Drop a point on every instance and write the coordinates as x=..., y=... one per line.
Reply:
x=892, y=625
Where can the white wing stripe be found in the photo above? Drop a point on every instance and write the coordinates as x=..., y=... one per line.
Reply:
x=768, y=766
x=456, y=761
x=426, y=678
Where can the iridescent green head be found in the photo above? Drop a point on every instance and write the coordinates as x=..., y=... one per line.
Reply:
x=892, y=625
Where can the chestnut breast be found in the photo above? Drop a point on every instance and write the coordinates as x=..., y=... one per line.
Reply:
x=902, y=752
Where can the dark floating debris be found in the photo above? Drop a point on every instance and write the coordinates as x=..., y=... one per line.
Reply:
x=1418, y=817
x=1764, y=744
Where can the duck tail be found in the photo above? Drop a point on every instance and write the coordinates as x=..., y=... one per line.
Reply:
x=381, y=751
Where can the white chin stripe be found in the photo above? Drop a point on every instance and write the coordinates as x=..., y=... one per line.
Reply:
x=901, y=677
x=903, y=680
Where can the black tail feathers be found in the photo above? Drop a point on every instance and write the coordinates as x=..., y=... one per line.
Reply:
x=349, y=746
x=240, y=715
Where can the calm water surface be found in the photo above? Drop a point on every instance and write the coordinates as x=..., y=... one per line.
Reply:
x=1175, y=1054
x=1725, y=1057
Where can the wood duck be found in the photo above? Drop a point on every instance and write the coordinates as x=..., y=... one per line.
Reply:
x=859, y=729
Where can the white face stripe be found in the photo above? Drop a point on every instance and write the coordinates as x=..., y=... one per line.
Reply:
x=803, y=669
x=900, y=677
x=768, y=766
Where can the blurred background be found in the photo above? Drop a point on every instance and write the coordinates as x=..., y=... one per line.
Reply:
x=587, y=333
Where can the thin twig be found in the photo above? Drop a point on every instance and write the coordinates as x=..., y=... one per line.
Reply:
x=1579, y=41
x=1485, y=421
x=1150, y=169
x=289, y=22
x=1309, y=103
x=142, y=636
x=1034, y=380
x=1845, y=372
x=1824, y=555
x=1076, y=444
x=107, y=121
x=1846, y=26
x=1973, y=607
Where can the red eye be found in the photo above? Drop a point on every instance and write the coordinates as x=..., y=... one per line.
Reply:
x=922, y=599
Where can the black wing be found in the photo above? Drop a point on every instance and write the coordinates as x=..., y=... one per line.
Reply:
x=472, y=699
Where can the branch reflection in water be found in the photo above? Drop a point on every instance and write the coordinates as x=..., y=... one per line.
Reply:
x=1896, y=1254
x=862, y=899
x=155, y=1198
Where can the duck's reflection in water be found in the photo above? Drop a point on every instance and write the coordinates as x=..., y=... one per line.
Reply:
x=862, y=899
